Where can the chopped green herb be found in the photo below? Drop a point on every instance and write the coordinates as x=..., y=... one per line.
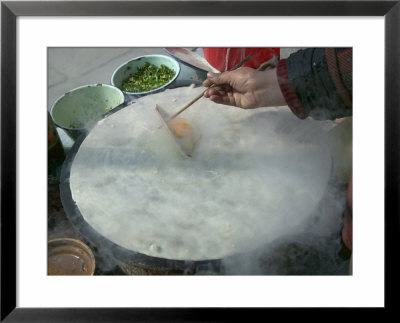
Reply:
x=148, y=77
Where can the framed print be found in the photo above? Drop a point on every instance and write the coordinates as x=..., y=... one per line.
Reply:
x=40, y=39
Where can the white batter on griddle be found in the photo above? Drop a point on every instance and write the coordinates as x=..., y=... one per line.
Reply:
x=254, y=175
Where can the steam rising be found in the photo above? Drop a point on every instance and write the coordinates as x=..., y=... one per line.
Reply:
x=255, y=190
x=313, y=250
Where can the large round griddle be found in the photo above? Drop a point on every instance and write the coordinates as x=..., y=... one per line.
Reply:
x=121, y=254
x=226, y=125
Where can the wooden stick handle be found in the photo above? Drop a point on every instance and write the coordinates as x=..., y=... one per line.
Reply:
x=198, y=97
x=187, y=105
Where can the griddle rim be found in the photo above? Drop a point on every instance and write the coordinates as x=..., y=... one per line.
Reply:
x=120, y=253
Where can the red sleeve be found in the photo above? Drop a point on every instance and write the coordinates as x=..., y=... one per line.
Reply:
x=287, y=91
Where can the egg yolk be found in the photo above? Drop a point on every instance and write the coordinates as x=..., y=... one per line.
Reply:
x=180, y=128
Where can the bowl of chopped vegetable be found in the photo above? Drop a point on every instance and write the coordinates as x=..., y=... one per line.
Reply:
x=146, y=74
x=80, y=109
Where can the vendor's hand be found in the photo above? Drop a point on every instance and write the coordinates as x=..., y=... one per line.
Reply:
x=245, y=87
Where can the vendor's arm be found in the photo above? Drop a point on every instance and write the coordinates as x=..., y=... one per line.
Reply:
x=317, y=82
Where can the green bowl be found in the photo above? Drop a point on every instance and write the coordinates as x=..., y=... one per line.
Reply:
x=80, y=109
x=130, y=67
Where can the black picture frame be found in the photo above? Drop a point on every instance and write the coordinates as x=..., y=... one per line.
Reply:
x=10, y=10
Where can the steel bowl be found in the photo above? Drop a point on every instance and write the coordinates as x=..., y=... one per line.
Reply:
x=130, y=67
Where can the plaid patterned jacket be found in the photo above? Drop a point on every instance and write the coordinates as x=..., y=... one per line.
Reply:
x=317, y=82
